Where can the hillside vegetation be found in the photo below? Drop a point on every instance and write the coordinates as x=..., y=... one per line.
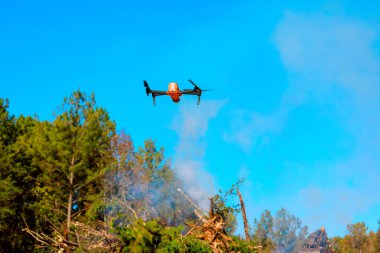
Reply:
x=76, y=184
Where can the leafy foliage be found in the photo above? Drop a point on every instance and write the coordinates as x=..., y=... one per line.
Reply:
x=377, y=242
x=263, y=231
x=357, y=239
x=224, y=210
x=287, y=231
x=240, y=245
x=284, y=232
x=150, y=236
x=357, y=233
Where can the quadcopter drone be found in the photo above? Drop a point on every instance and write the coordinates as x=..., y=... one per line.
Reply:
x=174, y=92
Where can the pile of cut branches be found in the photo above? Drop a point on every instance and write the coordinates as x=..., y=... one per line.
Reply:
x=95, y=238
x=212, y=231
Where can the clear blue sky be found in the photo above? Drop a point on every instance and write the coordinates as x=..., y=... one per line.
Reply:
x=296, y=106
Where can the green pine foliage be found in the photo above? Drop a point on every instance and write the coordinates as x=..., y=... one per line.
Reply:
x=73, y=153
x=263, y=231
x=17, y=181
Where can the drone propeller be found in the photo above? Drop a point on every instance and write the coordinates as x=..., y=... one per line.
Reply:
x=147, y=89
x=196, y=88
x=199, y=91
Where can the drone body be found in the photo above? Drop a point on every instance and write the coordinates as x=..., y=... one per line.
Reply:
x=174, y=92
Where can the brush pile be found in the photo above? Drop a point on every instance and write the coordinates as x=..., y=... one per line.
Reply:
x=212, y=231
x=318, y=242
x=95, y=238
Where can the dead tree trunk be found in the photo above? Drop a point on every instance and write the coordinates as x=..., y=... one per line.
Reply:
x=244, y=215
x=211, y=213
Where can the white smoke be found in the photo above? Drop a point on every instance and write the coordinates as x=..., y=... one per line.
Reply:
x=191, y=125
x=333, y=64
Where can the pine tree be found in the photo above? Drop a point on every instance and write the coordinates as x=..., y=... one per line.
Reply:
x=17, y=181
x=8, y=191
x=287, y=231
x=263, y=229
x=74, y=154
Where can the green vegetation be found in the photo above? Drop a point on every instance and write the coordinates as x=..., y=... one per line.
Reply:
x=358, y=239
x=77, y=185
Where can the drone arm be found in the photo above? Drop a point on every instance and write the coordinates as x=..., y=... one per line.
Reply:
x=189, y=92
x=158, y=92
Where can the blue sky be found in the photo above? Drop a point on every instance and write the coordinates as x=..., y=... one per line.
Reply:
x=295, y=111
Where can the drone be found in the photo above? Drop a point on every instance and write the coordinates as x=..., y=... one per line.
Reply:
x=174, y=92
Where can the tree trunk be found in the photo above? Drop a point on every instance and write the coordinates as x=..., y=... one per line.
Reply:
x=70, y=199
x=211, y=212
x=246, y=229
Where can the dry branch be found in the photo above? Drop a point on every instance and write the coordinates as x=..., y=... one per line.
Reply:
x=95, y=238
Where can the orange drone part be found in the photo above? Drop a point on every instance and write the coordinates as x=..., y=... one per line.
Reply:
x=173, y=87
x=174, y=92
